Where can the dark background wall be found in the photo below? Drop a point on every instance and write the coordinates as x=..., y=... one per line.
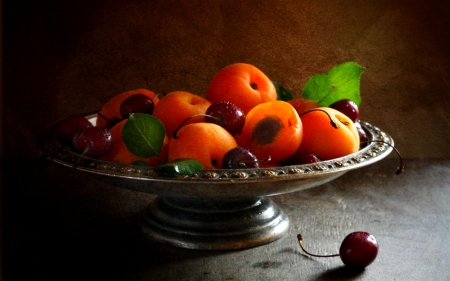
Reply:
x=65, y=57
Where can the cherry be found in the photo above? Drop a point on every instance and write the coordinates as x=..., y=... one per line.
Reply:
x=362, y=134
x=348, y=107
x=358, y=249
x=138, y=103
x=70, y=126
x=303, y=157
x=238, y=158
x=227, y=115
x=223, y=113
x=93, y=142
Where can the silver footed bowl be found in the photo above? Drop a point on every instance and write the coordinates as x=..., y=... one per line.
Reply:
x=216, y=209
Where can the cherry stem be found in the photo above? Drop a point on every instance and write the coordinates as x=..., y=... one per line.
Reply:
x=317, y=109
x=243, y=163
x=401, y=168
x=101, y=115
x=175, y=133
x=300, y=242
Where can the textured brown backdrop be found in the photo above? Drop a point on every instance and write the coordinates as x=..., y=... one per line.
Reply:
x=65, y=57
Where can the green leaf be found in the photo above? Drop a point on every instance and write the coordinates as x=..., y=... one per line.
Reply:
x=139, y=163
x=341, y=82
x=143, y=135
x=282, y=93
x=183, y=166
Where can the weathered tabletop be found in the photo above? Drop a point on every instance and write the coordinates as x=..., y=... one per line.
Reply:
x=63, y=225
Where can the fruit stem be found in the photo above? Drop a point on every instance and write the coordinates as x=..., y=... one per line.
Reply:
x=175, y=133
x=401, y=168
x=317, y=109
x=300, y=242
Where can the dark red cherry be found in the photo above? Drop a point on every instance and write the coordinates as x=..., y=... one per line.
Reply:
x=347, y=107
x=239, y=158
x=70, y=126
x=359, y=249
x=362, y=134
x=138, y=103
x=227, y=115
x=93, y=142
x=303, y=157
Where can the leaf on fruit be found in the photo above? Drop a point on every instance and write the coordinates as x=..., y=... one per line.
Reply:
x=282, y=93
x=143, y=135
x=183, y=166
x=341, y=82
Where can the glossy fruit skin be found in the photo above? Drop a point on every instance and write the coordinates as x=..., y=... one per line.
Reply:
x=70, y=126
x=111, y=109
x=272, y=129
x=348, y=107
x=243, y=84
x=232, y=118
x=206, y=142
x=358, y=249
x=97, y=140
x=362, y=134
x=138, y=103
x=301, y=157
x=239, y=158
x=174, y=108
x=325, y=141
x=302, y=105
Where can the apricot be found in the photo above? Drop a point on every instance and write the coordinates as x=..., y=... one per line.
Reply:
x=206, y=142
x=272, y=129
x=111, y=109
x=120, y=153
x=325, y=141
x=242, y=84
x=302, y=105
x=174, y=108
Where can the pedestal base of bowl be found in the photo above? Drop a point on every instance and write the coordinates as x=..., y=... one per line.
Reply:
x=213, y=224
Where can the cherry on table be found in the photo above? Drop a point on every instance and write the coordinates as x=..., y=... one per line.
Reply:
x=358, y=249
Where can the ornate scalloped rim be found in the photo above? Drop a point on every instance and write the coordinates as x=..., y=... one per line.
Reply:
x=56, y=152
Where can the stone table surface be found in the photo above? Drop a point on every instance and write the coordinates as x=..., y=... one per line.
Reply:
x=61, y=224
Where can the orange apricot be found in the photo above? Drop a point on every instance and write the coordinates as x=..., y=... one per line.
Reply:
x=302, y=105
x=272, y=129
x=174, y=108
x=206, y=142
x=121, y=154
x=111, y=109
x=325, y=141
x=242, y=84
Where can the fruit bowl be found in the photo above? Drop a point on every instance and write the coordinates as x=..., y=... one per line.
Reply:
x=216, y=209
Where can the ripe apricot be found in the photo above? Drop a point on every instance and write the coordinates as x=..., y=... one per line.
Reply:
x=120, y=153
x=302, y=105
x=175, y=107
x=272, y=129
x=111, y=109
x=242, y=84
x=325, y=141
x=206, y=142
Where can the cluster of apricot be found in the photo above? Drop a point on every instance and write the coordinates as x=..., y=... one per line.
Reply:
x=239, y=123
